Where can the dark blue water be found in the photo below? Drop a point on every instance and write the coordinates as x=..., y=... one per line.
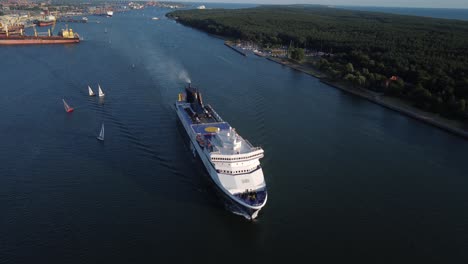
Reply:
x=349, y=181
x=448, y=13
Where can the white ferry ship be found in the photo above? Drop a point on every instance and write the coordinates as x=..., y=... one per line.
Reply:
x=231, y=161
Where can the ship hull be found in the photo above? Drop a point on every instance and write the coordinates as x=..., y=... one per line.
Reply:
x=45, y=24
x=37, y=40
x=235, y=206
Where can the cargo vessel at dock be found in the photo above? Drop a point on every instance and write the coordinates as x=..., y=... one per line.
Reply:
x=46, y=21
x=231, y=161
x=66, y=36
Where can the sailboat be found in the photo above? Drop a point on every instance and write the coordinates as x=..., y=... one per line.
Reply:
x=91, y=93
x=68, y=109
x=101, y=94
x=101, y=134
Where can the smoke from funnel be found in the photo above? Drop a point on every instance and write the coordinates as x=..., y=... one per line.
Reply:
x=183, y=75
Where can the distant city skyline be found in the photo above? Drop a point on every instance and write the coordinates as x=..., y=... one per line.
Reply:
x=377, y=3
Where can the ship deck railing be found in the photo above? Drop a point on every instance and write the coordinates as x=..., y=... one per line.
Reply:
x=215, y=114
x=248, y=143
x=237, y=155
x=252, y=147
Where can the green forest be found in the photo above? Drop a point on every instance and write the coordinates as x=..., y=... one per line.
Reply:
x=428, y=56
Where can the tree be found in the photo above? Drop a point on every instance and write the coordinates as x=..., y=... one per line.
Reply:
x=396, y=87
x=323, y=63
x=421, y=95
x=350, y=78
x=334, y=74
x=349, y=68
x=297, y=54
x=361, y=80
x=462, y=106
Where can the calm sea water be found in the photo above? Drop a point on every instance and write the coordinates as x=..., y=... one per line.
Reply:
x=349, y=181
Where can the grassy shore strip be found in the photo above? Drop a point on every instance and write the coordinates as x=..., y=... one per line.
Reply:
x=230, y=45
x=395, y=104
x=298, y=67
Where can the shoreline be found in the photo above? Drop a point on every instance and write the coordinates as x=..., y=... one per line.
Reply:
x=297, y=67
x=453, y=126
x=395, y=104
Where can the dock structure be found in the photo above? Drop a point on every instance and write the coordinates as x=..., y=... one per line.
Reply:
x=233, y=48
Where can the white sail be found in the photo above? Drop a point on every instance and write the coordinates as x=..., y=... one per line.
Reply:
x=100, y=91
x=65, y=105
x=91, y=93
x=101, y=134
x=68, y=109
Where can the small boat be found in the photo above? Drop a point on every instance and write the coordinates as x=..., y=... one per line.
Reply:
x=101, y=94
x=91, y=93
x=68, y=109
x=101, y=134
x=155, y=18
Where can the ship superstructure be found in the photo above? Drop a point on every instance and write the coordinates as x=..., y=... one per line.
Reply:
x=231, y=161
x=46, y=21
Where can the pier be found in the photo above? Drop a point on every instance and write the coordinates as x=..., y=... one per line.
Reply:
x=235, y=49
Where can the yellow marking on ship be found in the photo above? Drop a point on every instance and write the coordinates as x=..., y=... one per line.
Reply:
x=212, y=129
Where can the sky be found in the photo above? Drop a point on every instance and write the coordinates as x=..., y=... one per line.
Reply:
x=389, y=3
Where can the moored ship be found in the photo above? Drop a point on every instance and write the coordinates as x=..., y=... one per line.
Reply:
x=64, y=37
x=46, y=21
x=230, y=160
